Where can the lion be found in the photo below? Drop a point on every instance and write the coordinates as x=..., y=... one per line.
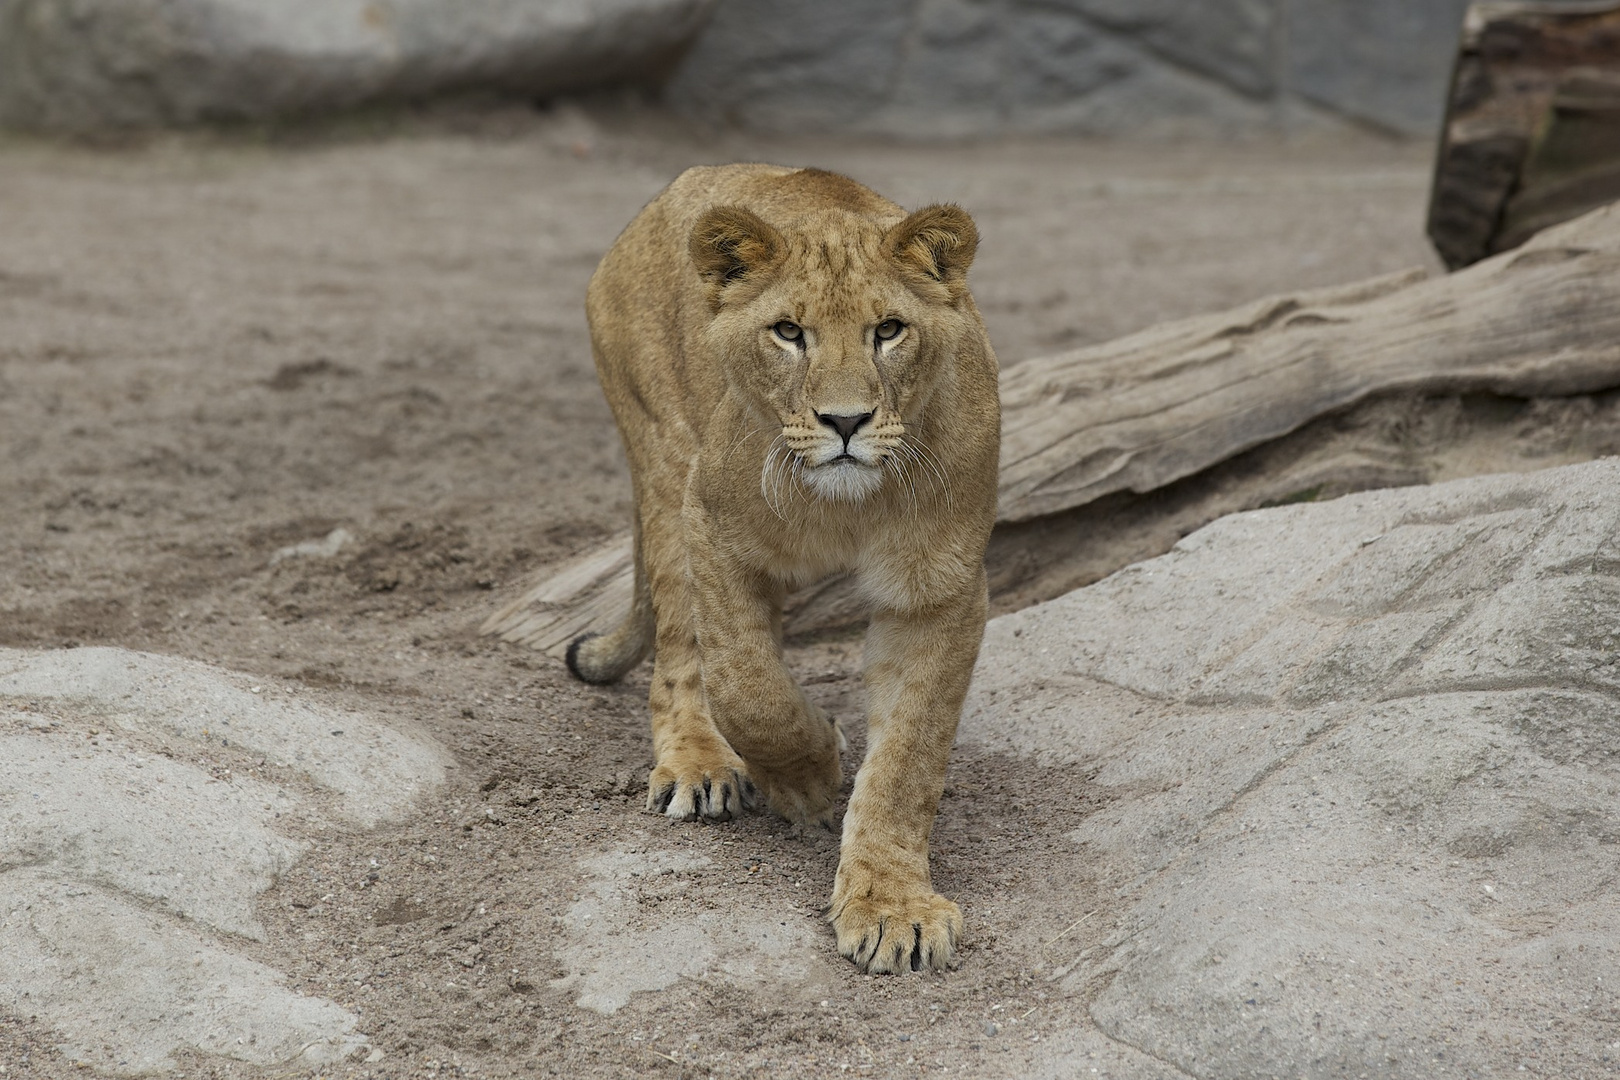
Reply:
x=804, y=386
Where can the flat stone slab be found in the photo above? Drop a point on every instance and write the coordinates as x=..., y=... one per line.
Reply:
x=617, y=944
x=375, y=772
x=1361, y=771
x=126, y=988
x=129, y=866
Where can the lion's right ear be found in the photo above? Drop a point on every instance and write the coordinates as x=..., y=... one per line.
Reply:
x=937, y=242
x=730, y=245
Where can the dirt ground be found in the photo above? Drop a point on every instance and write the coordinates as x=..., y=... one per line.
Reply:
x=215, y=347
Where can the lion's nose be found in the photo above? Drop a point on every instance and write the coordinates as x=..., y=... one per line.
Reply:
x=845, y=425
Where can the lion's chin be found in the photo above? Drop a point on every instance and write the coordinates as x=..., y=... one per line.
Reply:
x=843, y=481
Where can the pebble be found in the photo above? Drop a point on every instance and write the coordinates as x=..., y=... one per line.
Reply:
x=992, y=1028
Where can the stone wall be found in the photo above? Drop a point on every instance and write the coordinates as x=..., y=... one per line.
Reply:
x=975, y=67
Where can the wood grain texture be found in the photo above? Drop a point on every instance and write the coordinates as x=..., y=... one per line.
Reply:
x=1514, y=57
x=590, y=592
x=1574, y=161
x=1144, y=412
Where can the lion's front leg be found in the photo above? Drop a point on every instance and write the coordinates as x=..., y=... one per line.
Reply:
x=696, y=774
x=789, y=746
x=884, y=909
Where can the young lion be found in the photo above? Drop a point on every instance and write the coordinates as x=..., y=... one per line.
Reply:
x=804, y=386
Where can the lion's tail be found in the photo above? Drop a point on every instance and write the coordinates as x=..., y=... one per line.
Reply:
x=605, y=658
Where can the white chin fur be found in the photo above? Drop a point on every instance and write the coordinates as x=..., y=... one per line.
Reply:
x=844, y=482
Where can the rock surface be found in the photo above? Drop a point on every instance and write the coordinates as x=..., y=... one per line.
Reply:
x=618, y=944
x=1360, y=772
x=131, y=853
x=1383, y=61
x=95, y=63
x=952, y=68
x=916, y=67
x=960, y=67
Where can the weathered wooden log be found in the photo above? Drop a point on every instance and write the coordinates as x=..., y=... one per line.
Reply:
x=1154, y=407
x=1521, y=86
x=1144, y=412
x=1574, y=161
x=589, y=592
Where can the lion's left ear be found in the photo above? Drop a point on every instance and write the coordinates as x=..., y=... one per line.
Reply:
x=938, y=241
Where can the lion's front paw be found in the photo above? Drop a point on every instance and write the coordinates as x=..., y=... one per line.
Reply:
x=887, y=933
x=685, y=785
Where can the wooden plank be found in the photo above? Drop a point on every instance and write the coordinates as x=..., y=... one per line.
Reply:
x=1511, y=63
x=589, y=592
x=1141, y=413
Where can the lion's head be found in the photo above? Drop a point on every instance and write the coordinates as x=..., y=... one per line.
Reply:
x=839, y=331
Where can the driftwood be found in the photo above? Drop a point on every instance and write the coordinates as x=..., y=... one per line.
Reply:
x=1532, y=130
x=589, y=592
x=1140, y=414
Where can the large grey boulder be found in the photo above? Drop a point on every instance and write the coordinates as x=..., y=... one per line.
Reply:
x=98, y=63
x=962, y=67
x=1359, y=773
x=132, y=854
x=989, y=67
x=1230, y=40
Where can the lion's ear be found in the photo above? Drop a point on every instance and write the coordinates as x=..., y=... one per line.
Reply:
x=939, y=242
x=730, y=244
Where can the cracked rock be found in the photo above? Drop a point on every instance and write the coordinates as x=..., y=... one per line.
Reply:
x=1357, y=775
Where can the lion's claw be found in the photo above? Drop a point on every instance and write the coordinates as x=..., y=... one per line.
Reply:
x=718, y=796
x=914, y=933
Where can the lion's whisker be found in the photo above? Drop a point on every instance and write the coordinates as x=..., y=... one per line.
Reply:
x=905, y=458
x=769, y=481
x=911, y=488
x=798, y=479
x=931, y=461
x=737, y=442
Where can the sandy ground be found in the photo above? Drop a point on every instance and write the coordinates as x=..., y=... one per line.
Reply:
x=214, y=348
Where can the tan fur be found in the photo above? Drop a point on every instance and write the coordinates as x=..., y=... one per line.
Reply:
x=738, y=501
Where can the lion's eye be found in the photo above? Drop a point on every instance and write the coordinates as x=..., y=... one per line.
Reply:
x=789, y=331
x=889, y=329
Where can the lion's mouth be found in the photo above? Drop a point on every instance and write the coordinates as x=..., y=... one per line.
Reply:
x=843, y=478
